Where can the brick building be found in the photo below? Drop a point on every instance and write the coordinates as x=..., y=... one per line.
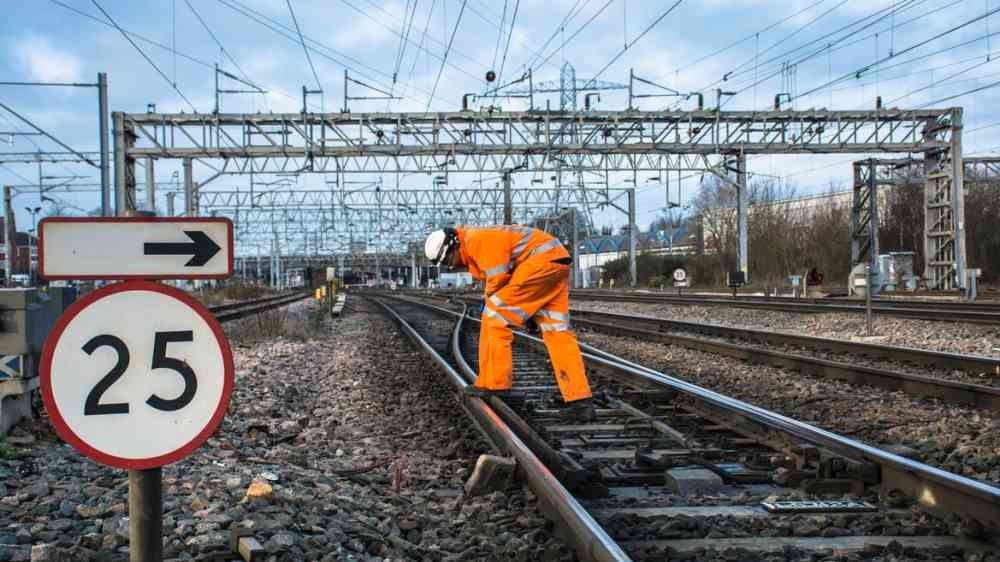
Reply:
x=27, y=245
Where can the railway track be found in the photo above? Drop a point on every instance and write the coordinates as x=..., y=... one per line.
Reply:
x=237, y=310
x=669, y=469
x=971, y=379
x=948, y=311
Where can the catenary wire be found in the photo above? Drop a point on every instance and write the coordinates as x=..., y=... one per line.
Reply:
x=298, y=30
x=444, y=59
x=634, y=41
x=145, y=56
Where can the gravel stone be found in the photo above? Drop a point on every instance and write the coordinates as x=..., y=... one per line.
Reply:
x=351, y=421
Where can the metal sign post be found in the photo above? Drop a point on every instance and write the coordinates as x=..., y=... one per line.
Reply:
x=868, y=300
x=127, y=388
x=135, y=390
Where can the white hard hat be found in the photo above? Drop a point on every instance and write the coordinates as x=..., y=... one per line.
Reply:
x=436, y=246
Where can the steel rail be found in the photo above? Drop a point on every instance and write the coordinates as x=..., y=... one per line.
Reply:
x=894, y=302
x=215, y=309
x=907, y=310
x=935, y=489
x=651, y=329
x=944, y=359
x=256, y=307
x=976, y=395
x=899, y=300
x=590, y=540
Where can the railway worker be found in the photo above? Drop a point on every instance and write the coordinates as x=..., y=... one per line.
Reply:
x=526, y=272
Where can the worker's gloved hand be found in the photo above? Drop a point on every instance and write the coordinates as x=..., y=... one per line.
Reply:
x=531, y=327
x=482, y=305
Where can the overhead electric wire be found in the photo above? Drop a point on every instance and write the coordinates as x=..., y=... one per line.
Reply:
x=961, y=94
x=878, y=16
x=443, y=58
x=486, y=19
x=222, y=48
x=906, y=50
x=166, y=48
x=906, y=62
x=738, y=71
x=503, y=62
x=574, y=34
x=400, y=33
x=503, y=20
x=828, y=49
x=634, y=41
x=981, y=127
x=317, y=48
x=782, y=57
x=145, y=56
x=37, y=146
x=573, y=11
x=748, y=37
x=913, y=73
x=47, y=135
x=298, y=30
x=454, y=30
x=404, y=40
x=938, y=82
x=134, y=34
x=14, y=172
x=427, y=24
x=755, y=60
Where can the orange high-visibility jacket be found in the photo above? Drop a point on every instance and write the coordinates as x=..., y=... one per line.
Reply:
x=493, y=252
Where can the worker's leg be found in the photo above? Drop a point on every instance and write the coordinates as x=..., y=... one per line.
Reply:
x=495, y=360
x=564, y=351
x=512, y=305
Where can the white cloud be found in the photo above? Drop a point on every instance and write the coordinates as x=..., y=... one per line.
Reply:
x=45, y=63
x=361, y=33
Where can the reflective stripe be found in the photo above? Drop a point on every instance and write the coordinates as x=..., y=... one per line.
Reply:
x=560, y=327
x=494, y=314
x=497, y=270
x=553, y=315
x=521, y=245
x=545, y=247
x=495, y=300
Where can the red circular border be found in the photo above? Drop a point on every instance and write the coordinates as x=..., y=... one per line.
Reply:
x=63, y=429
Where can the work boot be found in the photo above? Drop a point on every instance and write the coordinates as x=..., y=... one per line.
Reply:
x=580, y=410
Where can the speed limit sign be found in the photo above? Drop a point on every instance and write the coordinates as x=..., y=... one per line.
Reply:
x=136, y=375
x=680, y=274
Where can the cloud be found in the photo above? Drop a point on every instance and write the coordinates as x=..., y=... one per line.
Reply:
x=362, y=33
x=45, y=63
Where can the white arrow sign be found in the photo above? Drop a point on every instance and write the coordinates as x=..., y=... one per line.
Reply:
x=135, y=248
x=134, y=389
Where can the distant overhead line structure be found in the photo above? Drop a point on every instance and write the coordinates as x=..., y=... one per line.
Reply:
x=601, y=141
x=939, y=208
x=392, y=214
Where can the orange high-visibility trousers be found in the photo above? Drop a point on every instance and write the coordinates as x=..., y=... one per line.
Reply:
x=538, y=289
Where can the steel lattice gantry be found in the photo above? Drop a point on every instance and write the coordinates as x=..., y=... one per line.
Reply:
x=941, y=208
x=390, y=218
x=598, y=141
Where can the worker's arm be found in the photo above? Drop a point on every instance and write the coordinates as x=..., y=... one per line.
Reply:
x=492, y=256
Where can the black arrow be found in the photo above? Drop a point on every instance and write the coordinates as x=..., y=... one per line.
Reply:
x=201, y=248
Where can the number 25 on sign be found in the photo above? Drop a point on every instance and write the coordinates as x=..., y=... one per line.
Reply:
x=136, y=375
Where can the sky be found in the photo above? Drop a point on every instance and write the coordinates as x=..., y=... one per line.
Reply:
x=691, y=48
